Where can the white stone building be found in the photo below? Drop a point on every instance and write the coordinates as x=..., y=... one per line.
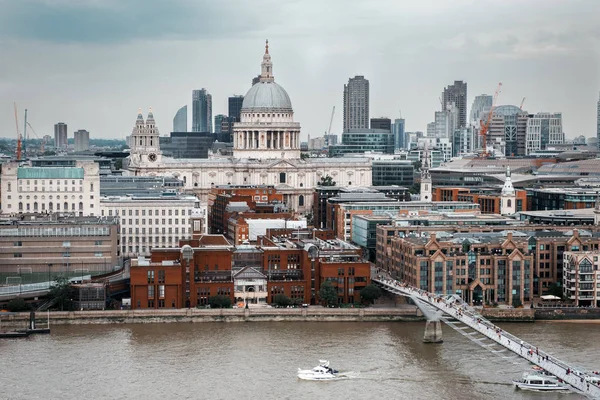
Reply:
x=266, y=151
x=543, y=130
x=150, y=222
x=27, y=189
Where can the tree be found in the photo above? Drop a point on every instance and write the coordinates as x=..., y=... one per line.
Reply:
x=555, y=290
x=119, y=163
x=61, y=292
x=281, y=300
x=310, y=218
x=370, y=293
x=219, y=301
x=304, y=156
x=415, y=188
x=328, y=294
x=326, y=181
x=417, y=165
x=17, y=305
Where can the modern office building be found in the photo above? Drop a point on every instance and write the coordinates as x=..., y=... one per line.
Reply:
x=401, y=139
x=219, y=118
x=543, y=131
x=201, y=111
x=359, y=141
x=186, y=144
x=445, y=123
x=226, y=135
x=381, y=123
x=235, y=107
x=37, y=248
x=464, y=141
x=180, y=121
x=60, y=136
x=393, y=172
x=508, y=130
x=82, y=140
x=456, y=94
x=356, y=104
x=479, y=109
x=71, y=189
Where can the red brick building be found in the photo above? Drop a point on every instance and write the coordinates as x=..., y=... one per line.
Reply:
x=249, y=274
x=488, y=199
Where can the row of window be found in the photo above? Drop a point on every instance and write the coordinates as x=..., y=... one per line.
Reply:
x=50, y=197
x=142, y=212
x=143, y=221
x=42, y=207
x=162, y=230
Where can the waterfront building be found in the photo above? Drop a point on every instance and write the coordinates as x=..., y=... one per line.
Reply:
x=580, y=279
x=266, y=151
x=190, y=274
x=456, y=94
x=82, y=140
x=543, y=131
x=180, y=121
x=201, y=111
x=482, y=268
x=60, y=136
x=356, y=104
x=382, y=123
x=73, y=189
x=153, y=221
x=401, y=138
x=36, y=248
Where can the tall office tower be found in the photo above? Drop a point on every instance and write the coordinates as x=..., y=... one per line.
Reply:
x=444, y=124
x=400, y=137
x=356, y=103
x=457, y=94
x=598, y=122
x=60, y=135
x=219, y=118
x=180, y=120
x=431, y=129
x=82, y=140
x=481, y=106
x=381, y=123
x=235, y=107
x=201, y=111
x=508, y=130
x=543, y=130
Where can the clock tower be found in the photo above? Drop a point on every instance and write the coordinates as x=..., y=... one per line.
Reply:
x=144, y=142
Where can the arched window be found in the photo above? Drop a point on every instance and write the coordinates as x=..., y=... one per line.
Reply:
x=282, y=177
x=57, y=206
x=35, y=206
x=301, y=201
x=509, y=203
x=66, y=206
x=80, y=206
x=73, y=206
x=20, y=206
x=50, y=208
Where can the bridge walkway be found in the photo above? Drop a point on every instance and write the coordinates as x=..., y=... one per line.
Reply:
x=452, y=307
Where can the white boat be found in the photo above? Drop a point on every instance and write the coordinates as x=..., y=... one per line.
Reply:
x=321, y=372
x=540, y=383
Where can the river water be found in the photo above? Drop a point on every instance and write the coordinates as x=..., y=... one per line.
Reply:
x=256, y=360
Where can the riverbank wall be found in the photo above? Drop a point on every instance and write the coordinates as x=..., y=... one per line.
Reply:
x=19, y=320
x=509, y=314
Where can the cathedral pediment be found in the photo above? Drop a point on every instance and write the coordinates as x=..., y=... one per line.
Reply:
x=283, y=164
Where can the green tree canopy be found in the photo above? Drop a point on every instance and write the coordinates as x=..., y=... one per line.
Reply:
x=281, y=300
x=326, y=181
x=328, y=294
x=18, y=305
x=219, y=301
x=370, y=293
x=61, y=293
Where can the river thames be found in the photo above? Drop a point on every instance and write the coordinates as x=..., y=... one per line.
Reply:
x=257, y=360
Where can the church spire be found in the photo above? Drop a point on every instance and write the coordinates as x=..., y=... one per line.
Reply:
x=266, y=74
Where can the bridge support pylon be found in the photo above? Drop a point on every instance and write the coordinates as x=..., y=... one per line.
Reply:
x=433, y=332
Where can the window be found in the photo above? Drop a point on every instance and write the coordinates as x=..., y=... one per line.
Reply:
x=161, y=276
x=301, y=201
x=150, y=291
x=161, y=291
x=150, y=276
x=17, y=255
x=282, y=177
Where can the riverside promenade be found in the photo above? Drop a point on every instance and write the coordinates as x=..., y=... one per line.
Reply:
x=193, y=315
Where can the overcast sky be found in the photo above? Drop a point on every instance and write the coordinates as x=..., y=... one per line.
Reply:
x=93, y=63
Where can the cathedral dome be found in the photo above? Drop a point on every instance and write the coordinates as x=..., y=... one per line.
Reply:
x=266, y=96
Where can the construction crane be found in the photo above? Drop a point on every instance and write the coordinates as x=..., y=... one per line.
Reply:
x=484, y=127
x=42, y=140
x=18, y=133
x=331, y=121
x=521, y=106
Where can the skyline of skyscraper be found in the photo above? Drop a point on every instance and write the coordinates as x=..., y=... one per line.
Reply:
x=235, y=106
x=180, y=120
x=457, y=94
x=356, y=103
x=60, y=135
x=400, y=137
x=201, y=111
x=81, y=140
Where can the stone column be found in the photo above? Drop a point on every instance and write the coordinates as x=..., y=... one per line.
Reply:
x=433, y=332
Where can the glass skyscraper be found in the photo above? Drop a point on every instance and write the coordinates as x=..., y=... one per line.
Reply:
x=201, y=111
